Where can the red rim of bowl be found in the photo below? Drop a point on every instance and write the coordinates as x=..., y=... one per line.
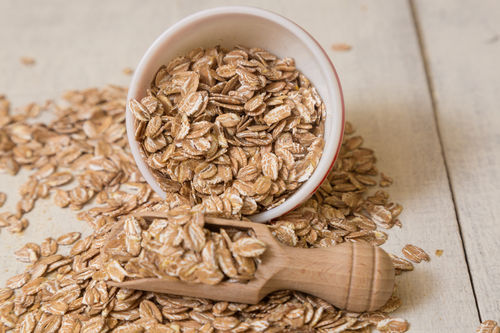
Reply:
x=341, y=93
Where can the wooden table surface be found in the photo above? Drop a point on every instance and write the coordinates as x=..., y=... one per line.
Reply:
x=420, y=82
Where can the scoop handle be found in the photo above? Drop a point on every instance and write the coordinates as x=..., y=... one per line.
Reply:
x=355, y=276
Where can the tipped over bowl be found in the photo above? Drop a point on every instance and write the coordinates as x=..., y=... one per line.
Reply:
x=231, y=26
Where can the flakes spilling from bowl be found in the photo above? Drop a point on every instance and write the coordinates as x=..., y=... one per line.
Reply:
x=235, y=131
x=180, y=247
x=82, y=161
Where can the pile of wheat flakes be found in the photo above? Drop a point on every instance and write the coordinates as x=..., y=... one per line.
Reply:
x=237, y=130
x=81, y=160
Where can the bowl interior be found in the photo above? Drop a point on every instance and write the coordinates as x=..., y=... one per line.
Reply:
x=230, y=26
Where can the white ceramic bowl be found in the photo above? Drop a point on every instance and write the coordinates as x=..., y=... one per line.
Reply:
x=253, y=27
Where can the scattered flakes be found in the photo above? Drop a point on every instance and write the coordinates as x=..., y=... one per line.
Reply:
x=69, y=238
x=29, y=253
x=3, y=198
x=380, y=214
x=28, y=323
x=5, y=294
x=136, y=328
x=27, y=61
x=341, y=47
x=148, y=309
x=128, y=71
x=225, y=323
x=17, y=225
x=385, y=181
x=85, y=150
x=415, y=254
x=18, y=281
x=439, y=253
x=401, y=264
x=61, y=198
x=56, y=307
x=81, y=245
x=488, y=326
x=93, y=325
x=393, y=325
x=48, y=247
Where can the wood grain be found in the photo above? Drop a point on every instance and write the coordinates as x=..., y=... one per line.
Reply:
x=83, y=44
x=388, y=101
x=462, y=44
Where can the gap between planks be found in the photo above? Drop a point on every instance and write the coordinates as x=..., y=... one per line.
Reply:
x=430, y=87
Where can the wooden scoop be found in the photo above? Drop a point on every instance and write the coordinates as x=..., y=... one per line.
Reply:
x=356, y=276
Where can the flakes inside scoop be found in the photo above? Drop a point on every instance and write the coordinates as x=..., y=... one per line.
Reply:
x=180, y=247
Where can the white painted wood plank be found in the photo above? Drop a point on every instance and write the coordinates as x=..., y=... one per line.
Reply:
x=462, y=43
x=82, y=44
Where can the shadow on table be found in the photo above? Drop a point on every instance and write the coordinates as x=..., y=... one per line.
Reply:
x=417, y=290
x=407, y=145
